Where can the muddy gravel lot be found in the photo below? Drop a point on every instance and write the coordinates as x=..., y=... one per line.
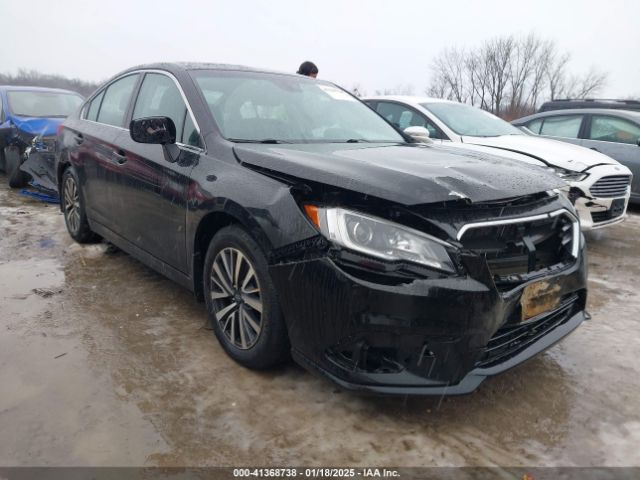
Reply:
x=105, y=362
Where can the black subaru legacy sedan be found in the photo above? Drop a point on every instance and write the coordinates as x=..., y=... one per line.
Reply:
x=311, y=227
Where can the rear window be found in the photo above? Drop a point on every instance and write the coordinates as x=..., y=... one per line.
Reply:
x=43, y=104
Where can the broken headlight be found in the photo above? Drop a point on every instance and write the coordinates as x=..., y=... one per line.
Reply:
x=380, y=238
x=568, y=175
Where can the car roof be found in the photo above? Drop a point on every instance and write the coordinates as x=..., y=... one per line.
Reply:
x=185, y=66
x=562, y=103
x=615, y=112
x=410, y=99
x=27, y=88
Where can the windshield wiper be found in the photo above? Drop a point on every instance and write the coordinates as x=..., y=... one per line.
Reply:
x=356, y=140
x=264, y=140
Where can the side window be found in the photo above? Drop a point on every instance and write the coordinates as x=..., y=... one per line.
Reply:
x=535, y=125
x=612, y=129
x=402, y=117
x=116, y=100
x=566, y=126
x=159, y=97
x=434, y=132
x=94, y=106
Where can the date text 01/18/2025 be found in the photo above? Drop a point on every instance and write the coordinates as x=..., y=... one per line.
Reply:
x=315, y=472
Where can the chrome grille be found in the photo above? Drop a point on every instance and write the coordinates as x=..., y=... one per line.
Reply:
x=518, y=249
x=611, y=186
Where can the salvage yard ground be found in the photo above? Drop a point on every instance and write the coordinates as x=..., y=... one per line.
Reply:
x=104, y=362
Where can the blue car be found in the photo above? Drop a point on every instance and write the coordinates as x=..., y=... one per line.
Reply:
x=29, y=118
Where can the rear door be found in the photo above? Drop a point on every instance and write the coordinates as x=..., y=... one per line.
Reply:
x=153, y=189
x=96, y=148
x=618, y=138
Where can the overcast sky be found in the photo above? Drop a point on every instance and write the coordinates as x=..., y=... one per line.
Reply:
x=377, y=44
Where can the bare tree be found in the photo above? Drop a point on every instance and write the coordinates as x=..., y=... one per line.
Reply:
x=591, y=83
x=498, y=53
x=557, y=74
x=509, y=75
x=450, y=74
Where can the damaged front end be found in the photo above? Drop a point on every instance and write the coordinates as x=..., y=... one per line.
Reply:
x=38, y=161
x=29, y=152
x=512, y=284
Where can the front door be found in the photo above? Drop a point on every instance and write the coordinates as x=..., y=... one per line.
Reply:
x=153, y=190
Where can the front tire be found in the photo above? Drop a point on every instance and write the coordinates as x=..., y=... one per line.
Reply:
x=17, y=178
x=74, y=210
x=241, y=300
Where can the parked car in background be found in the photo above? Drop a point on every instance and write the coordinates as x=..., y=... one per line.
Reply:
x=29, y=117
x=572, y=103
x=597, y=185
x=615, y=133
x=309, y=225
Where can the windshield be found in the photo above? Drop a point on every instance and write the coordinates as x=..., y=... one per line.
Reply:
x=43, y=104
x=471, y=121
x=263, y=107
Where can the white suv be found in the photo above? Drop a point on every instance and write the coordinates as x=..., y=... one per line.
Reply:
x=597, y=185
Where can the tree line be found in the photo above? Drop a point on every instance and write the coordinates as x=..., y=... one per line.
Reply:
x=510, y=76
x=35, y=78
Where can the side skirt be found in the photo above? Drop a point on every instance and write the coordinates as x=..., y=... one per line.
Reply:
x=141, y=255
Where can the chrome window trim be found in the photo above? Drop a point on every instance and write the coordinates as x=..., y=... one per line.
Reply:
x=575, y=244
x=85, y=111
x=175, y=81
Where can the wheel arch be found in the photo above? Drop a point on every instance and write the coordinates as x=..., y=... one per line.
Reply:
x=212, y=223
x=61, y=165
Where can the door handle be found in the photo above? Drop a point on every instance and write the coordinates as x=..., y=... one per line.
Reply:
x=120, y=156
x=78, y=138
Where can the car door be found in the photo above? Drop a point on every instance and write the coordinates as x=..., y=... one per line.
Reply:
x=153, y=188
x=618, y=138
x=560, y=127
x=95, y=149
x=402, y=116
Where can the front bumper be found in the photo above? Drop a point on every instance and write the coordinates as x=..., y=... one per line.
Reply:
x=427, y=337
x=39, y=163
x=596, y=211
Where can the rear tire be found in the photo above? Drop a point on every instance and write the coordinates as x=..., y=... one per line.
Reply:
x=241, y=300
x=74, y=210
x=17, y=178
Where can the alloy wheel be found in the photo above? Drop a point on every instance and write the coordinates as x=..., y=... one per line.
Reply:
x=235, y=292
x=72, y=204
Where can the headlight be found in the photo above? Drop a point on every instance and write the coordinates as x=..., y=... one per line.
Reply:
x=568, y=175
x=380, y=238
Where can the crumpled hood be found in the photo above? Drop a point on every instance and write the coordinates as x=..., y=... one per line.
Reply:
x=408, y=174
x=45, y=127
x=561, y=154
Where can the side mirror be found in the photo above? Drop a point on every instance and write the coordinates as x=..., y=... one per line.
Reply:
x=419, y=134
x=638, y=142
x=159, y=130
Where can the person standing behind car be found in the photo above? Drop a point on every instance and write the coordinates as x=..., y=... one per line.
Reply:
x=308, y=69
